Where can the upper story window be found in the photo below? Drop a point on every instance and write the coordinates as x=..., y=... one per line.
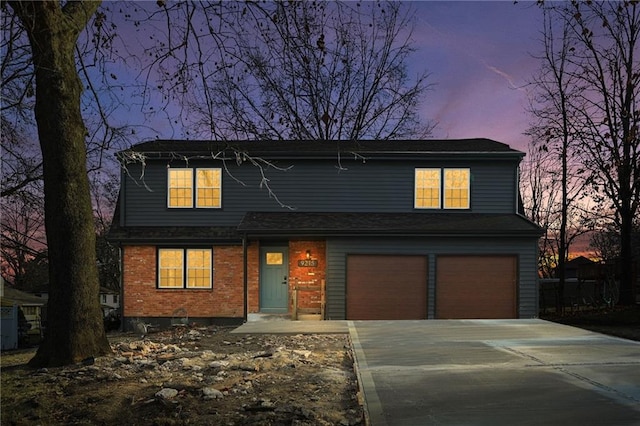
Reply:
x=442, y=188
x=207, y=184
x=427, y=189
x=456, y=188
x=185, y=268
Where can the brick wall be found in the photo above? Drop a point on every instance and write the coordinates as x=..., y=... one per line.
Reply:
x=225, y=300
x=253, y=274
x=307, y=276
x=143, y=299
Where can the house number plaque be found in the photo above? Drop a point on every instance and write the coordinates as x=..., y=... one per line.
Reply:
x=308, y=263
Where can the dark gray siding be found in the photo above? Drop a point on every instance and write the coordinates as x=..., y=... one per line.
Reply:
x=338, y=249
x=312, y=185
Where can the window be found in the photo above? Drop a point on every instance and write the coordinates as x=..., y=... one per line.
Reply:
x=427, y=189
x=180, y=188
x=184, y=268
x=207, y=184
x=456, y=188
x=274, y=258
x=104, y=298
x=442, y=188
x=208, y=187
x=30, y=310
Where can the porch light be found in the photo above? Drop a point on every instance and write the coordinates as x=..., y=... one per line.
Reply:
x=308, y=254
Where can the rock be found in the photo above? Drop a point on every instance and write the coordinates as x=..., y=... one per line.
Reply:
x=194, y=335
x=212, y=393
x=261, y=405
x=167, y=393
x=265, y=354
x=305, y=354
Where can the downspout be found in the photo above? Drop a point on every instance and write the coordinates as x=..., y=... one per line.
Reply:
x=245, y=280
x=122, y=218
x=121, y=282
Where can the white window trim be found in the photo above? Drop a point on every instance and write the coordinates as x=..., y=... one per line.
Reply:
x=441, y=201
x=444, y=183
x=169, y=169
x=185, y=270
x=195, y=188
x=415, y=189
x=160, y=286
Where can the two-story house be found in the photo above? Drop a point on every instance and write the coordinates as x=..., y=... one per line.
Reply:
x=416, y=229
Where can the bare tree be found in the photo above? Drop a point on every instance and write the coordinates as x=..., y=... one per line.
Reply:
x=540, y=197
x=75, y=330
x=555, y=90
x=290, y=70
x=542, y=192
x=23, y=238
x=603, y=40
x=63, y=61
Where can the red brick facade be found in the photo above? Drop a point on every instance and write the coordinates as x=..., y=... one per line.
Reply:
x=142, y=298
x=302, y=276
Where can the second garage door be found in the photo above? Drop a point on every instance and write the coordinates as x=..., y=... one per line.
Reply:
x=386, y=287
x=476, y=287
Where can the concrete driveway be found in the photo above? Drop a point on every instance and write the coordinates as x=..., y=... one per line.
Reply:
x=495, y=372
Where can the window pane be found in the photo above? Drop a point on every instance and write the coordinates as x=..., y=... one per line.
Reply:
x=274, y=259
x=170, y=263
x=208, y=187
x=180, y=188
x=199, y=268
x=427, y=188
x=456, y=193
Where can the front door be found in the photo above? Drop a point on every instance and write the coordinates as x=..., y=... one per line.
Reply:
x=274, y=279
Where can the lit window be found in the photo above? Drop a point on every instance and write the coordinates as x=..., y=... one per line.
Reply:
x=170, y=268
x=198, y=268
x=180, y=188
x=208, y=187
x=437, y=188
x=427, y=195
x=176, y=264
x=274, y=258
x=456, y=188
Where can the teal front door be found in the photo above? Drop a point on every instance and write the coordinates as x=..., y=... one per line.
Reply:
x=274, y=279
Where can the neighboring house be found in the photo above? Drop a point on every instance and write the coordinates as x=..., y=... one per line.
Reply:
x=109, y=299
x=573, y=267
x=28, y=315
x=416, y=229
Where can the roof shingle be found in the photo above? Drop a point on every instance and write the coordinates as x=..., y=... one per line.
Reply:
x=317, y=149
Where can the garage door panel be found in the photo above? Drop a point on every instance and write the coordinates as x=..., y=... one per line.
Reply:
x=476, y=287
x=386, y=287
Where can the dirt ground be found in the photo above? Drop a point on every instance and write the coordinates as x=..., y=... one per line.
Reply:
x=190, y=376
x=207, y=376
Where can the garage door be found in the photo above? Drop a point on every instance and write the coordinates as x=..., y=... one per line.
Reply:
x=386, y=287
x=476, y=287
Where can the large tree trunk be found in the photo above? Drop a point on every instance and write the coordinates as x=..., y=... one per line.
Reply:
x=74, y=324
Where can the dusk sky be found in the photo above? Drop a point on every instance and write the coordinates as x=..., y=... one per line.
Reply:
x=480, y=56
